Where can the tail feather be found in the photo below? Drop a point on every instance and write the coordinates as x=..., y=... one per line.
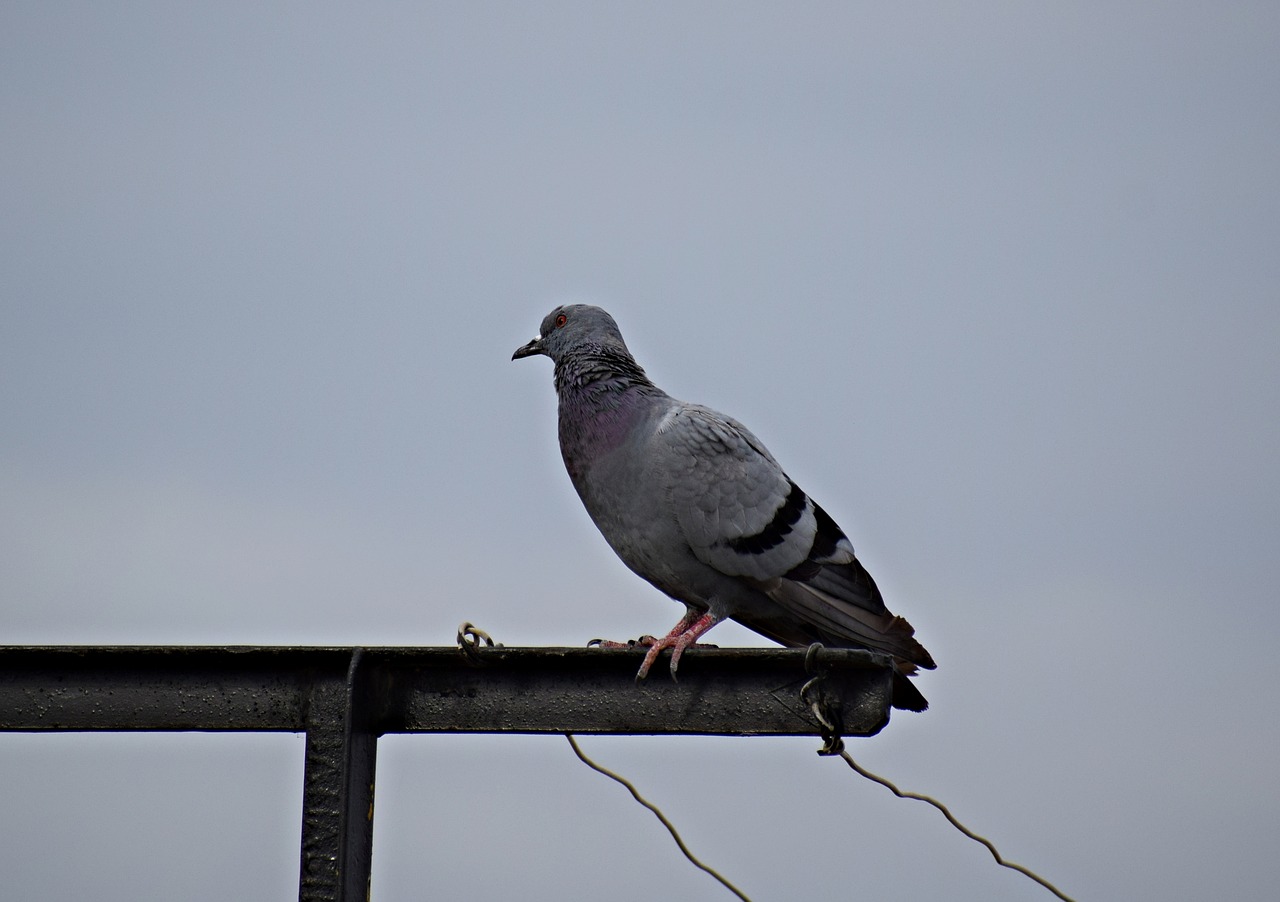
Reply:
x=842, y=623
x=812, y=613
x=906, y=696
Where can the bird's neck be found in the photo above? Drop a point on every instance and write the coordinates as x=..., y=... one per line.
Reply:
x=602, y=396
x=600, y=375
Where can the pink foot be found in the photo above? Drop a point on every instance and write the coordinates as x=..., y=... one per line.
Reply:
x=684, y=635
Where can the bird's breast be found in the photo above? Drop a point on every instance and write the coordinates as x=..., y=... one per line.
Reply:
x=591, y=432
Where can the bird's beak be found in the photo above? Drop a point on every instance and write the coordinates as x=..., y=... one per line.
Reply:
x=533, y=347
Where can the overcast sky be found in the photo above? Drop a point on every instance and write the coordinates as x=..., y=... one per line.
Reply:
x=997, y=284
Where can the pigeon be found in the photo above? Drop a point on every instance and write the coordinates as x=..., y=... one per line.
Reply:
x=695, y=504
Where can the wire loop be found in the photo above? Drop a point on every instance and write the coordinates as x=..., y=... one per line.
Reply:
x=824, y=705
x=470, y=640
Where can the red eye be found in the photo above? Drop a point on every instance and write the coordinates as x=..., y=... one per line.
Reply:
x=561, y=320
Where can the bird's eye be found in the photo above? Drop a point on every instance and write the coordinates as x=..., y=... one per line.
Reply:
x=561, y=320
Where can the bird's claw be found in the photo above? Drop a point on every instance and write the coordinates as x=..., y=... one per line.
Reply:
x=609, y=643
x=642, y=642
x=677, y=643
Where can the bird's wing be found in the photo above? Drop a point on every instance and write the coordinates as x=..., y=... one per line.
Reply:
x=736, y=507
x=742, y=515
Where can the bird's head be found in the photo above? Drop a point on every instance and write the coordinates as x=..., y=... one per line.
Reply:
x=573, y=327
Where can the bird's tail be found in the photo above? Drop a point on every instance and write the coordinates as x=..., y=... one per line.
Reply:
x=839, y=623
x=906, y=696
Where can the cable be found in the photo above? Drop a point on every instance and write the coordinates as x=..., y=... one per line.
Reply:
x=662, y=817
x=955, y=823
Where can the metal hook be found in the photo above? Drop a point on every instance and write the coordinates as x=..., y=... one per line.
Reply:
x=470, y=639
x=825, y=709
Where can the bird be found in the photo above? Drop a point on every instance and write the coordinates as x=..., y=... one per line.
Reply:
x=692, y=502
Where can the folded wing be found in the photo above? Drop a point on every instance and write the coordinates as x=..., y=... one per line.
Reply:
x=742, y=515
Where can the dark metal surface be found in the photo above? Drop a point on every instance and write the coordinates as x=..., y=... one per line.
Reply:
x=337, y=794
x=427, y=690
x=344, y=698
x=159, y=687
x=585, y=690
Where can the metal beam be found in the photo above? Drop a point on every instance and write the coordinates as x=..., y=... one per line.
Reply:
x=337, y=793
x=438, y=690
x=344, y=698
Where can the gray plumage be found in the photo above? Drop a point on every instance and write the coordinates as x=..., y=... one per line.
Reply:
x=694, y=503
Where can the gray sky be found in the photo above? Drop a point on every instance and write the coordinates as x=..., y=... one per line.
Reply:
x=996, y=283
